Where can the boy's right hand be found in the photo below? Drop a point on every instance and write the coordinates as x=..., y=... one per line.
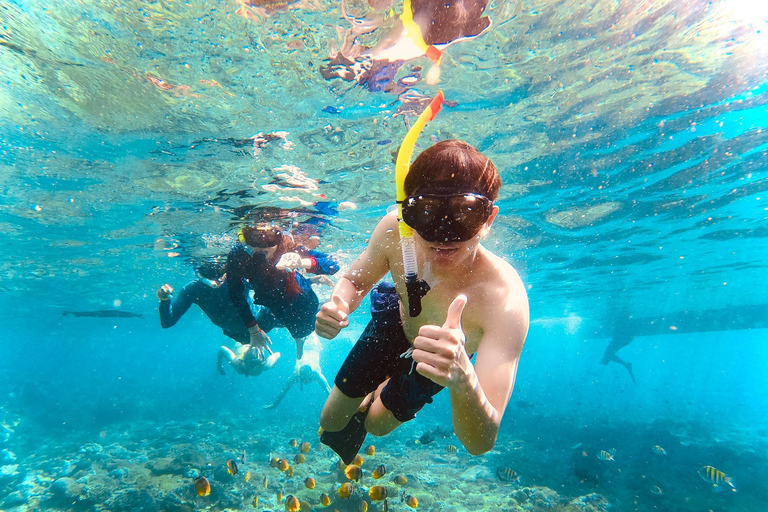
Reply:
x=165, y=292
x=332, y=317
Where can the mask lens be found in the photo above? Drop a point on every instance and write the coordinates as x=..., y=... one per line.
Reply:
x=446, y=218
x=263, y=238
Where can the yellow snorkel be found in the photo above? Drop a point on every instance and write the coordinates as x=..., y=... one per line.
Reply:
x=415, y=287
x=414, y=32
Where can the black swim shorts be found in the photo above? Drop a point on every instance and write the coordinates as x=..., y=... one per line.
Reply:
x=376, y=357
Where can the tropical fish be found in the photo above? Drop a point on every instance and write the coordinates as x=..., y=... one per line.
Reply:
x=604, y=455
x=353, y=472
x=248, y=476
x=658, y=449
x=379, y=472
x=358, y=460
x=305, y=506
x=202, y=486
x=289, y=471
x=377, y=493
x=255, y=501
x=507, y=475
x=279, y=496
x=451, y=449
x=325, y=500
x=283, y=465
x=293, y=443
x=370, y=450
x=266, y=482
x=232, y=467
x=411, y=501
x=400, y=480
x=383, y=142
x=309, y=482
x=274, y=462
x=331, y=110
x=715, y=476
x=345, y=490
x=305, y=447
x=292, y=503
x=299, y=458
x=363, y=507
x=657, y=490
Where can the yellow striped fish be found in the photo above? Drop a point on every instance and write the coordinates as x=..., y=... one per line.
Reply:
x=604, y=455
x=715, y=476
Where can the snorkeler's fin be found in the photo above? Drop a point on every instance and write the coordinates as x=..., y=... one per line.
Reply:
x=347, y=441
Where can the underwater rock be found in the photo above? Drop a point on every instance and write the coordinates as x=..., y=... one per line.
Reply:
x=65, y=490
x=131, y=500
x=96, y=488
x=117, y=451
x=14, y=499
x=7, y=457
x=536, y=497
x=119, y=473
x=166, y=466
x=93, y=451
x=454, y=508
x=590, y=503
x=475, y=473
x=5, y=434
x=10, y=475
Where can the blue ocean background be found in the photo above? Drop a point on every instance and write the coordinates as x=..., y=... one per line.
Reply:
x=632, y=138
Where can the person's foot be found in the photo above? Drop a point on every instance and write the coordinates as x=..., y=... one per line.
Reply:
x=221, y=370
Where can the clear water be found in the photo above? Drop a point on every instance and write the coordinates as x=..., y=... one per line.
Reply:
x=632, y=139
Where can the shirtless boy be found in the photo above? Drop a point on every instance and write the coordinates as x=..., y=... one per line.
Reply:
x=476, y=305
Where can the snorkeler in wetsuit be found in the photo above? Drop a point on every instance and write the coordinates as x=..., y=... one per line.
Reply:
x=212, y=295
x=267, y=261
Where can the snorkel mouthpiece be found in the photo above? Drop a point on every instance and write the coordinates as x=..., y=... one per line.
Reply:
x=415, y=287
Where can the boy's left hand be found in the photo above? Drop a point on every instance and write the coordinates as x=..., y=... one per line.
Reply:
x=440, y=351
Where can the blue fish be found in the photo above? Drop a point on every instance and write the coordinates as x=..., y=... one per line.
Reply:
x=331, y=110
x=384, y=142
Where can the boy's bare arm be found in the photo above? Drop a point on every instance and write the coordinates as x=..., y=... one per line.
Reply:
x=373, y=263
x=477, y=407
x=479, y=392
x=365, y=272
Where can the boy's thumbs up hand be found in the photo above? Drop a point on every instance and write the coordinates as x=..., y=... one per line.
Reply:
x=332, y=317
x=440, y=352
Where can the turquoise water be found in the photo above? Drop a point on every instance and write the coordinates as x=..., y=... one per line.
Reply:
x=632, y=139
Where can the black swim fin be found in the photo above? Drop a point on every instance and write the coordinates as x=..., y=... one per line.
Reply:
x=347, y=441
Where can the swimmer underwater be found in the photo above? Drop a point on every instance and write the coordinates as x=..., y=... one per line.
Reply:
x=475, y=306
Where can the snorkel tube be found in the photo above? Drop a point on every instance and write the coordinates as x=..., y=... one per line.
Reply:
x=414, y=32
x=415, y=287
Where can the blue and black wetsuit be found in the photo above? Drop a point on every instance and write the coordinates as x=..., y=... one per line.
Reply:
x=218, y=307
x=289, y=296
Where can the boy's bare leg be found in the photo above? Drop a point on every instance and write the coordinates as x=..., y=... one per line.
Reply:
x=380, y=420
x=338, y=409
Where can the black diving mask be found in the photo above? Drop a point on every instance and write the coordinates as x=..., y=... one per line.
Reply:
x=447, y=217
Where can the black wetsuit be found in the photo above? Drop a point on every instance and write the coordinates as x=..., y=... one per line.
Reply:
x=217, y=306
x=288, y=295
